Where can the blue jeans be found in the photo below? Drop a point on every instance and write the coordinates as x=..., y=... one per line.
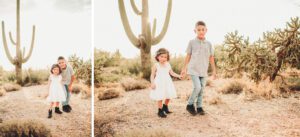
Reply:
x=199, y=85
x=68, y=95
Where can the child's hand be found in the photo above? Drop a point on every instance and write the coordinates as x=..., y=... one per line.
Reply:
x=153, y=86
x=180, y=77
x=214, y=76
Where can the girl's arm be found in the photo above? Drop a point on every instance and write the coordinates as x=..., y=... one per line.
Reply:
x=48, y=85
x=172, y=73
x=153, y=73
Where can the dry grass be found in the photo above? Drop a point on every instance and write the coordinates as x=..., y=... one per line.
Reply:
x=8, y=87
x=2, y=91
x=24, y=128
x=233, y=87
x=209, y=83
x=134, y=84
x=82, y=89
x=149, y=133
x=103, y=126
x=215, y=101
x=110, y=93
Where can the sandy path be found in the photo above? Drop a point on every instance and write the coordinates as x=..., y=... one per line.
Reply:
x=28, y=103
x=234, y=117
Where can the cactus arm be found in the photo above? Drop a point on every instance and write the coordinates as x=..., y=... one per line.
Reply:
x=10, y=58
x=25, y=59
x=11, y=39
x=134, y=7
x=154, y=28
x=23, y=54
x=158, y=38
x=133, y=39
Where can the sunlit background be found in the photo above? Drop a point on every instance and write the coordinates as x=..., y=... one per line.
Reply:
x=63, y=28
x=250, y=17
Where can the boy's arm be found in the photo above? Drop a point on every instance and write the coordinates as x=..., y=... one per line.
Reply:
x=213, y=66
x=186, y=62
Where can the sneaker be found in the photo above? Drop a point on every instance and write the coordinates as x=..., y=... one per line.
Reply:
x=161, y=113
x=200, y=111
x=66, y=109
x=57, y=110
x=191, y=109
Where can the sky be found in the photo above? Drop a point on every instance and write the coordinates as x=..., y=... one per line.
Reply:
x=62, y=28
x=250, y=17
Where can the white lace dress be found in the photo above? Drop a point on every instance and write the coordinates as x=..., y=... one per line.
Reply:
x=56, y=91
x=165, y=88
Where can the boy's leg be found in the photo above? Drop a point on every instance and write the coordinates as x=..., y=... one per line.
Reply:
x=200, y=95
x=196, y=90
x=67, y=93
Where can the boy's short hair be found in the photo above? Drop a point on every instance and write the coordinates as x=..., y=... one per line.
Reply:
x=200, y=23
x=162, y=51
x=60, y=58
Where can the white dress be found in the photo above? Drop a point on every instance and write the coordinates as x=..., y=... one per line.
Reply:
x=165, y=88
x=56, y=91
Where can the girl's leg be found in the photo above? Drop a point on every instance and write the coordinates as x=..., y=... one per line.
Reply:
x=57, y=108
x=56, y=104
x=167, y=101
x=159, y=104
x=51, y=105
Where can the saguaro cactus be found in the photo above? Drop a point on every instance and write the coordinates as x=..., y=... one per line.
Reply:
x=147, y=38
x=20, y=57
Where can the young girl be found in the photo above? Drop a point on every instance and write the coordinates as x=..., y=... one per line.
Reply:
x=161, y=82
x=56, y=92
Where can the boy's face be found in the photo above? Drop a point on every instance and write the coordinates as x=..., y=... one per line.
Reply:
x=162, y=58
x=200, y=31
x=55, y=71
x=62, y=63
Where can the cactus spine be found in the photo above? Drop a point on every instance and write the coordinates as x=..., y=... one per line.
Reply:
x=148, y=37
x=20, y=57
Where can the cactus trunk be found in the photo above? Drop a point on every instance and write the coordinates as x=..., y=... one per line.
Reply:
x=147, y=38
x=20, y=57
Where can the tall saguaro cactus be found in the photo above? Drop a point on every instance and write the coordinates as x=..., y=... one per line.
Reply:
x=147, y=38
x=20, y=56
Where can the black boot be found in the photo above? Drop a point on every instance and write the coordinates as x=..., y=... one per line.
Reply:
x=66, y=109
x=50, y=113
x=57, y=110
x=191, y=109
x=200, y=111
x=166, y=109
x=161, y=113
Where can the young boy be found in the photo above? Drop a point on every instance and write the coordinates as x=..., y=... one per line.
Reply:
x=67, y=78
x=199, y=54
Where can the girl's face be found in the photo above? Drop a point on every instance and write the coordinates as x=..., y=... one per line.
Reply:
x=162, y=58
x=55, y=71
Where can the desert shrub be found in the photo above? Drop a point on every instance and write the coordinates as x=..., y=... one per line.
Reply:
x=24, y=128
x=209, y=83
x=2, y=91
x=131, y=66
x=149, y=133
x=109, y=93
x=134, y=84
x=8, y=87
x=82, y=69
x=233, y=87
x=35, y=76
x=9, y=76
x=103, y=126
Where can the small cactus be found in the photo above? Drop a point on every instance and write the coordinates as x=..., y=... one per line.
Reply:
x=20, y=56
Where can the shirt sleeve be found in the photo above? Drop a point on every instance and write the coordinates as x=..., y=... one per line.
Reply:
x=189, y=48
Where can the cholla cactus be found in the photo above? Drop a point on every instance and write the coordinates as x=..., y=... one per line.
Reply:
x=148, y=37
x=20, y=57
x=264, y=58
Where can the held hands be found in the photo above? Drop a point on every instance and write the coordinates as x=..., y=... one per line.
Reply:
x=183, y=73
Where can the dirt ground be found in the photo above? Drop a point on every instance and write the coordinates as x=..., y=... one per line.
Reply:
x=30, y=103
x=230, y=116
